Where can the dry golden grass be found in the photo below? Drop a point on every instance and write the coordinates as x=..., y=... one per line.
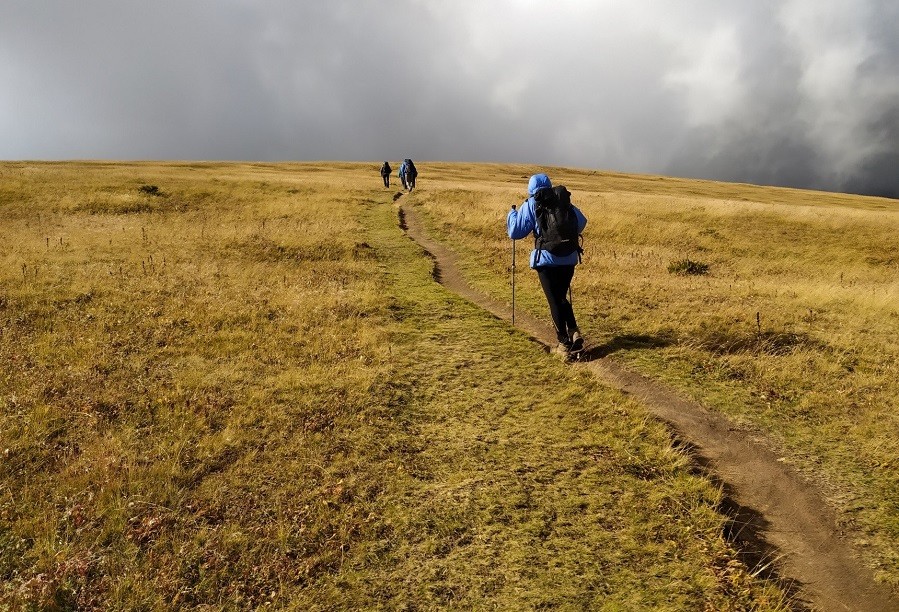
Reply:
x=246, y=389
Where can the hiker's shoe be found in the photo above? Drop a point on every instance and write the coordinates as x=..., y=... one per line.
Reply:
x=577, y=341
x=561, y=350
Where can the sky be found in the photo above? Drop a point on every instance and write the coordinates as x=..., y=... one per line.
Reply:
x=798, y=93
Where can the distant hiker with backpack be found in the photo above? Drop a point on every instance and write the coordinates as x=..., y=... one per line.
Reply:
x=385, y=173
x=408, y=173
x=556, y=225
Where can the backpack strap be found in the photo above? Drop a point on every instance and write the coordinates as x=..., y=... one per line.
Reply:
x=541, y=199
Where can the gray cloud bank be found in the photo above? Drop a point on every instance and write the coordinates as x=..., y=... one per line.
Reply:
x=800, y=93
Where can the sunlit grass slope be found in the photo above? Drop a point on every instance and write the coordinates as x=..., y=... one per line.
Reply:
x=792, y=332
x=244, y=388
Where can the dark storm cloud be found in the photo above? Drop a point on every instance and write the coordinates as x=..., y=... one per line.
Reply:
x=799, y=93
x=765, y=138
x=878, y=173
x=786, y=135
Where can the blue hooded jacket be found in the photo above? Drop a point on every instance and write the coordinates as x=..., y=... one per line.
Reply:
x=522, y=222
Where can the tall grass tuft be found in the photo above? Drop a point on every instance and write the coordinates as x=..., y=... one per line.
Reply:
x=688, y=267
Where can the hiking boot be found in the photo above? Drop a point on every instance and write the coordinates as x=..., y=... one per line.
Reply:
x=561, y=350
x=577, y=341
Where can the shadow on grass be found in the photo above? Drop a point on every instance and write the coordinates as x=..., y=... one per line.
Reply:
x=626, y=342
x=719, y=343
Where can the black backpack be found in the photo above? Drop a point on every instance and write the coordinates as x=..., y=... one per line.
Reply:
x=410, y=168
x=557, y=222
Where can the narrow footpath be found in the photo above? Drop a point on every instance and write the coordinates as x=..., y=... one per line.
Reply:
x=780, y=523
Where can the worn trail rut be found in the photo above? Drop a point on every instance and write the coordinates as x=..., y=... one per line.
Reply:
x=779, y=521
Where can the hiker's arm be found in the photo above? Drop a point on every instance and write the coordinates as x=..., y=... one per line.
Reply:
x=520, y=222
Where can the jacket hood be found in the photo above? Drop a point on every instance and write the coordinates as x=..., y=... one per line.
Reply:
x=538, y=182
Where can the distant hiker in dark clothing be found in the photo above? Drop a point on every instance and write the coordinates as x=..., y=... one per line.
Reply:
x=556, y=225
x=385, y=174
x=408, y=173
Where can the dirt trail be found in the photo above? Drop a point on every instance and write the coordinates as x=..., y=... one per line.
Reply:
x=779, y=521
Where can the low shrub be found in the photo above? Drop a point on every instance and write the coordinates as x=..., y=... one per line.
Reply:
x=688, y=267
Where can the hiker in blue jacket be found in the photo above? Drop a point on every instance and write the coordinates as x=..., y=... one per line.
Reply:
x=402, y=174
x=408, y=174
x=553, y=261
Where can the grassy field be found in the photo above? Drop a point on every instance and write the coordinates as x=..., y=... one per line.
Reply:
x=791, y=332
x=237, y=385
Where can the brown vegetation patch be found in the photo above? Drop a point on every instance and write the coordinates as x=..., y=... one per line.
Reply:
x=128, y=203
x=262, y=249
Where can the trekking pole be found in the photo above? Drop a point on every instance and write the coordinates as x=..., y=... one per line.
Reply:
x=513, y=278
x=513, y=282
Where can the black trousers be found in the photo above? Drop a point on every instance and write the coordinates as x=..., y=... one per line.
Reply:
x=386, y=178
x=556, y=281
